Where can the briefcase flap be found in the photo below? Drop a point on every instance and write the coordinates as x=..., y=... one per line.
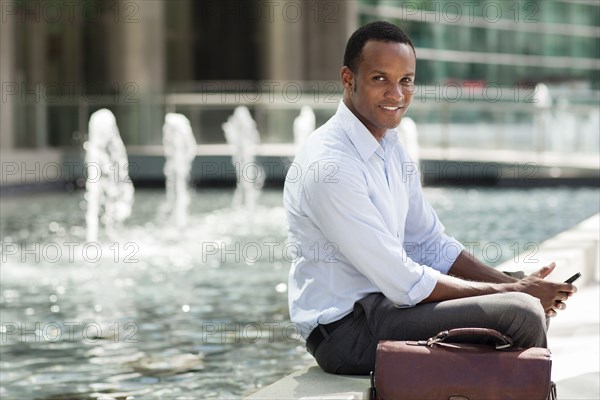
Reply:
x=458, y=371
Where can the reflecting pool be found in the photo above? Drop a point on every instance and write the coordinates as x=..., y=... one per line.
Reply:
x=199, y=311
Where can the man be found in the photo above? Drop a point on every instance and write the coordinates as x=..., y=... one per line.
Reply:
x=372, y=259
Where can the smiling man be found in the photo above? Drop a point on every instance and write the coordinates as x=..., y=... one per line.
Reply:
x=372, y=260
x=379, y=92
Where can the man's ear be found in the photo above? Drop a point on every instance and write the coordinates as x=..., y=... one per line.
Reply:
x=347, y=78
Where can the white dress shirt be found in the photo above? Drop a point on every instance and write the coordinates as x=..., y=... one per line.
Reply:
x=358, y=224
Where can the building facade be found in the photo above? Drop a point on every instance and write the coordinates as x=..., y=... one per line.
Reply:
x=503, y=42
x=63, y=60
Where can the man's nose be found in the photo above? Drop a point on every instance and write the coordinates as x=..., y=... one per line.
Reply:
x=394, y=92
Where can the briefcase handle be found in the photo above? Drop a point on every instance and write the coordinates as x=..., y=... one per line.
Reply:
x=504, y=342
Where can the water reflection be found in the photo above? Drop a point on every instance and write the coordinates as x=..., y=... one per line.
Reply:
x=199, y=312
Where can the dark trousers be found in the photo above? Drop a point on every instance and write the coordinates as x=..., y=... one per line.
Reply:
x=350, y=348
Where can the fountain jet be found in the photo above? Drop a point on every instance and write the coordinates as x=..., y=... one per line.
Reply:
x=304, y=125
x=241, y=133
x=109, y=191
x=407, y=132
x=180, y=150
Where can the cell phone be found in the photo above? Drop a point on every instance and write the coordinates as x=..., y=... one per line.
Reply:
x=573, y=278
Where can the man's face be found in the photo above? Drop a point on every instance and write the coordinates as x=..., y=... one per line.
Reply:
x=381, y=90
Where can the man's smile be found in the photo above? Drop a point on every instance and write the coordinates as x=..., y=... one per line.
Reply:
x=391, y=108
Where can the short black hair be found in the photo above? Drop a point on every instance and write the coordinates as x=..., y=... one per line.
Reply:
x=379, y=30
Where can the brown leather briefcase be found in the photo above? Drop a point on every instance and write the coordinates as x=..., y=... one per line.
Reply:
x=441, y=368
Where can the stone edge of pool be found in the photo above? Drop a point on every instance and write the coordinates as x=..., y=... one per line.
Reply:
x=574, y=250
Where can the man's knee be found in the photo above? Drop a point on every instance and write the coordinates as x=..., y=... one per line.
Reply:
x=529, y=317
x=526, y=305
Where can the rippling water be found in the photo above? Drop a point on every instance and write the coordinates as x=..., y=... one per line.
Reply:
x=199, y=312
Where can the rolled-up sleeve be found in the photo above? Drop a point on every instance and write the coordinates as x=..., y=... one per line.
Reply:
x=342, y=209
x=424, y=235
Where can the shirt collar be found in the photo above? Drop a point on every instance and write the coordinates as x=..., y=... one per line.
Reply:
x=391, y=138
x=360, y=136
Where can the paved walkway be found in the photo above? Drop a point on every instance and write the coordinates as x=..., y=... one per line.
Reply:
x=574, y=338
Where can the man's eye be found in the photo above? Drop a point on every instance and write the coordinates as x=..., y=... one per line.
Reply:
x=379, y=78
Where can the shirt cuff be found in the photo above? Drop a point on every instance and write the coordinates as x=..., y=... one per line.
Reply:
x=422, y=288
x=449, y=253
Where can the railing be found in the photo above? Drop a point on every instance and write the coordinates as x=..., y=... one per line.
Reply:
x=448, y=117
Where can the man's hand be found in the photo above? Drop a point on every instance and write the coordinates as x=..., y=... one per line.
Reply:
x=552, y=295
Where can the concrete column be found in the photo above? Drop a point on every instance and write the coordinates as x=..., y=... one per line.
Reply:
x=143, y=50
x=182, y=45
x=306, y=39
x=7, y=80
x=36, y=66
x=136, y=66
x=284, y=50
x=328, y=27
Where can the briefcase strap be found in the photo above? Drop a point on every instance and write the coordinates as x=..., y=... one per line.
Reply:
x=552, y=394
x=373, y=391
x=504, y=342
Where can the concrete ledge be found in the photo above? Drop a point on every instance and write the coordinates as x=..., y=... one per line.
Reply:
x=23, y=167
x=311, y=383
x=213, y=165
x=575, y=250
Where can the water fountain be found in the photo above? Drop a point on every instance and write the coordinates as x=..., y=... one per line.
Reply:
x=543, y=119
x=109, y=191
x=304, y=125
x=241, y=133
x=565, y=128
x=590, y=129
x=407, y=131
x=180, y=150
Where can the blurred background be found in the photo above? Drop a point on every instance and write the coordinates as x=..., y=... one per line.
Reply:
x=181, y=292
x=477, y=70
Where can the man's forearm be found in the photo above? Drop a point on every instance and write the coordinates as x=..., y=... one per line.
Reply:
x=469, y=277
x=449, y=287
x=552, y=295
x=467, y=267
